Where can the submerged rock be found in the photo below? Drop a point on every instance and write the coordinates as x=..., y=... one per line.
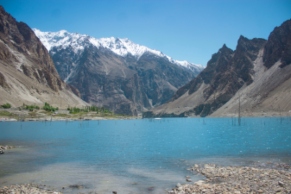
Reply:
x=5, y=147
x=76, y=186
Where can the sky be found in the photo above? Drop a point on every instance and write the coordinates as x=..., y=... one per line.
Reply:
x=189, y=30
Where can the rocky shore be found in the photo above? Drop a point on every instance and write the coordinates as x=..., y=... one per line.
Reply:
x=266, y=178
x=26, y=189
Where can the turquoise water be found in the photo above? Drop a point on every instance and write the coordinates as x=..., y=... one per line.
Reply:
x=135, y=156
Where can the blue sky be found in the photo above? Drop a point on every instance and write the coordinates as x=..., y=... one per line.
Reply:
x=184, y=29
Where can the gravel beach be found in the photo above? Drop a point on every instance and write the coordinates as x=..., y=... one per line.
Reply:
x=263, y=178
x=26, y=189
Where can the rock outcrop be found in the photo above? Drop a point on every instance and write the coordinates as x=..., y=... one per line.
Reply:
x=278, y=46
x=27, y=73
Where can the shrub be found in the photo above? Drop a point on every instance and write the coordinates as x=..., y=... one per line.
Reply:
x=49, y=108
x=31, y=107
x=6, y=106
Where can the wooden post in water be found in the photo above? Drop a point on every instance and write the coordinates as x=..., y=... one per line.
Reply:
x=239, y=117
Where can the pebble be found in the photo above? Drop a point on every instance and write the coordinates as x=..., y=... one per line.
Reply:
x=281, y=184
x=25, y=189
x=262, y=178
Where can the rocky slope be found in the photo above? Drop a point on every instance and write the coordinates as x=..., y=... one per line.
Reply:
x=116, y=73
x=27, y=72
x=256, y=75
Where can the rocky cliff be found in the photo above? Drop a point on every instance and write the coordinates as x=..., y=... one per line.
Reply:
x=116, y=73
x=27, y=73
x=256, y=74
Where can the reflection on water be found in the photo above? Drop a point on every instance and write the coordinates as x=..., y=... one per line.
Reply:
x=135, y=156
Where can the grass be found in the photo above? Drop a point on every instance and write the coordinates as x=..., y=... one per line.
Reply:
x=7, y=114
x=32, y=112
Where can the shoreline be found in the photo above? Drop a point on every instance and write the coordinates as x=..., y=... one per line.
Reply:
x=258, y=178
x=49, y=119
x=64, y=115
x=60, y=115
x=63, y=119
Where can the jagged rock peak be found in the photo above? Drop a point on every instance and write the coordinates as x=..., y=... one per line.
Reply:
x=224, y=49
x=278, y=46
x=246, y=44
x=224, y=46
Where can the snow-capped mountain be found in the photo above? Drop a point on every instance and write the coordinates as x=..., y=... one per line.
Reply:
x=116, y=73
x=120, y=46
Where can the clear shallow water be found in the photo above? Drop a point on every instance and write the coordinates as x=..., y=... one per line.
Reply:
x=135, y=156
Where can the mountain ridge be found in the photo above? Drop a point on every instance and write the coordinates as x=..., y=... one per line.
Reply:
x=120, y=46
x=124, y=77
x=253, y=71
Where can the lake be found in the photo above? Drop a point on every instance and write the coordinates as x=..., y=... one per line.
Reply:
x=135, y=156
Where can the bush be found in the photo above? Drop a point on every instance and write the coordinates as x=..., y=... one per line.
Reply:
x=74, y=110
x=49, y=108
x=6, y=106
x=31, y=107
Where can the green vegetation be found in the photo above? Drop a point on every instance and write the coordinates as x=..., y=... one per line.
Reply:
x=6, y=106
x=6, y=114
x=87, y=109
x=31, y=107
x=47, y=107
x=31, y=112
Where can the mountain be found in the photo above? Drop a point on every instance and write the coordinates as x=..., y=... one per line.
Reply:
x=116, y=73
x=27, y=72
x=256, y=76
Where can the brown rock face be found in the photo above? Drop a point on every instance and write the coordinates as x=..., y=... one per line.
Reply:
x=3, y=82
x=17, y=37
x=27, y=72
